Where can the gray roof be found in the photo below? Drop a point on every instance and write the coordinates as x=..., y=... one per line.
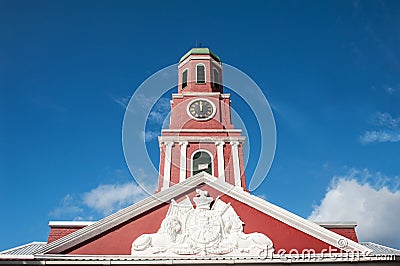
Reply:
x=380, y=249
x=30, y=248
x=27, y=249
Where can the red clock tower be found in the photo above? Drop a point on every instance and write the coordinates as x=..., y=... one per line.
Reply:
x=201, y=136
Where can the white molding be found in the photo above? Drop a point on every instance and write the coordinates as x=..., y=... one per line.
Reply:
x=196, y=94
x=202, y=130
x=236, y=162
x=201, y=139
x=316, y=259
x=193, y=94
x=337, y=224
x=183, y=160
x=167, y=164
x=205, y=118
x=177, y=96
x=166, y=195
x=16, y=258
x=183, y=62
x=198, y=57
x=221, y=161
x=69, y=224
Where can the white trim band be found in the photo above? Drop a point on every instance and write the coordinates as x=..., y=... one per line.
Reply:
x=202, y=130
x=167, y=164
x=69, y=224
x=182, y=163
x=221, y=162
x=201, y=139
x=236, y=165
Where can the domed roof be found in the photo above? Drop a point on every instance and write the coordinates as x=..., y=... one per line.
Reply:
x=200, y=51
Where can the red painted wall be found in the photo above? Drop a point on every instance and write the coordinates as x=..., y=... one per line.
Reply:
x=350, y=233
x=118, y=241
x=180, y=119
x=59, y=232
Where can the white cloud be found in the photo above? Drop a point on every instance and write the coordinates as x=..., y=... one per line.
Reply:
x=140, y=101
x=388, y=129
x=386, y=120
x=159, y=107
x=391, y=89
x=67, y=207
x=379, y=136
x=112, y=197
x=103, y=199
x=156, y=119
x=122, y=101
x=160, y=111
x=370, y=199
x=149, y=135
x=143, y=101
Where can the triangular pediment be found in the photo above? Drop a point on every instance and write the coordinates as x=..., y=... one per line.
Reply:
x=114, y=234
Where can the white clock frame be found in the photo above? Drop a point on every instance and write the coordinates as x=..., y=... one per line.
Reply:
x=205, y=118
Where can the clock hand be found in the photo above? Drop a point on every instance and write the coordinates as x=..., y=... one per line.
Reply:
x=201, y=106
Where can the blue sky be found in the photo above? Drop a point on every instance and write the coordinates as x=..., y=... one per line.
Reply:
x=330, y=71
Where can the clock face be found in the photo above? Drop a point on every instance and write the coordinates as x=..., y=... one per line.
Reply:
x=201, y=109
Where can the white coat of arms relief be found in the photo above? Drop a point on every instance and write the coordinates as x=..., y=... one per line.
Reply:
x=208, y=229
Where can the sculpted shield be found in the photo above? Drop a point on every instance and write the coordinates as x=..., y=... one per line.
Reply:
x=203, y=230
x=204, y=227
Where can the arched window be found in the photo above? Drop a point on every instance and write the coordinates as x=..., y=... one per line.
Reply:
x=184, y=78
x=216, y=81
x=201, y=161
x=201, y=73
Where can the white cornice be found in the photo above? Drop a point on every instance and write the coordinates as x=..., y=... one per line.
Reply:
x=337, y=224
x=306, y=259
x=69, y=224
x=200, y=94
x=199, y=57
x=16, y=258
x=201, y=139
x=166, y=195
x=202, y=130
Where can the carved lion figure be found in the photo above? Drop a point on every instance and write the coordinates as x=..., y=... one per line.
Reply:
x=160, y=241
x=246, y=242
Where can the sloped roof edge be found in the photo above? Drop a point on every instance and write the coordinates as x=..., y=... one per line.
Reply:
x=378, y=249
x=237, y=193
x=23, y=250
